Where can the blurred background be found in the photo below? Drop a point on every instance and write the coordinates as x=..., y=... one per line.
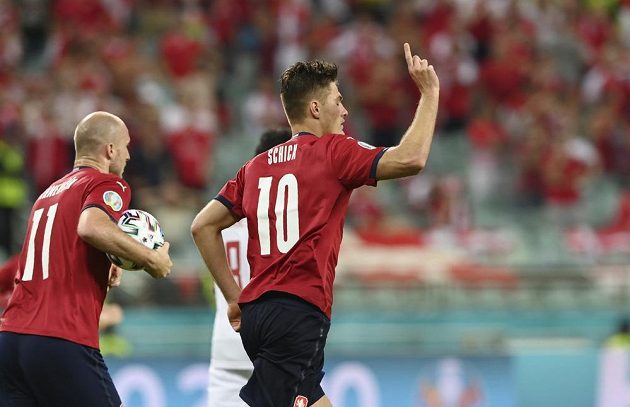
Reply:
x=498, y=277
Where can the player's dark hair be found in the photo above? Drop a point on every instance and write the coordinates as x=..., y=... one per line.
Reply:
x=300, y=82
x=272, y=138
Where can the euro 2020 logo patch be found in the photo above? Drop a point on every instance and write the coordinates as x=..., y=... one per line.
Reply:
x=113, y=200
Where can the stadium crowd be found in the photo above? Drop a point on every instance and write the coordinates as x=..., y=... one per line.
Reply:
x=538, y=91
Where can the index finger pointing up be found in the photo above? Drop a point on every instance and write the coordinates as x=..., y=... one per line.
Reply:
x=408, y=54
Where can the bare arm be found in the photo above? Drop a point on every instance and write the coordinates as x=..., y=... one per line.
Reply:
x=97, y=229
x=409, y=157
x=206, y=231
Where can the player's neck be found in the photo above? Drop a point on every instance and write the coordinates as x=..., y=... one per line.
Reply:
x=90, y=162
x=306, y=127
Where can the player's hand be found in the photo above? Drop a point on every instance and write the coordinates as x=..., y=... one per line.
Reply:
x=115, y=276
x=421, y=72
x=234, y=316
x=161, y=263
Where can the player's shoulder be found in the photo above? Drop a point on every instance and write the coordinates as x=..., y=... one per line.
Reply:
x=339, y=138
x=102, y=177
x=344, y=141
x=334, y=139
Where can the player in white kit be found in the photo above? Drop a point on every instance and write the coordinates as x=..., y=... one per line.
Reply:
x=230, y=366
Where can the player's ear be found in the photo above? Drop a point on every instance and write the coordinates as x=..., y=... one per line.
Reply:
x=313, y=108
x=109, y=150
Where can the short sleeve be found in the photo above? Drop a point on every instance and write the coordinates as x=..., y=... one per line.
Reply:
x=231, y=195
x=109, y=194
x=354, y=162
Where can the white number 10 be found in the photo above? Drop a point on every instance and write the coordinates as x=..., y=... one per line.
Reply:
x=286, y=202
x=30, y=254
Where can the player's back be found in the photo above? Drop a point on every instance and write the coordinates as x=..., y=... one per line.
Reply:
x=62, y=281
x=295, y=197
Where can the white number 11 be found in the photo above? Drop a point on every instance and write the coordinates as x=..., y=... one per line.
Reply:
x=30, y=254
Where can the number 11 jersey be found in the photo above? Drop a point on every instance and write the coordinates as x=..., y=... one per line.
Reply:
x=62, y=281
x=295, y=197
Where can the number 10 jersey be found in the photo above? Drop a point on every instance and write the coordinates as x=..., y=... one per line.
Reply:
x=295, y=197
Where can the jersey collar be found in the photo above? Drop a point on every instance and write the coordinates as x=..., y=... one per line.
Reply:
x=302, y=133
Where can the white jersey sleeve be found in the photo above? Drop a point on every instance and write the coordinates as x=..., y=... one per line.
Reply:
x=227, y=349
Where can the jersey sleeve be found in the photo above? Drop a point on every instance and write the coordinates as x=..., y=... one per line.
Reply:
x=231, y=195
x=354, y=162
x=112, y=195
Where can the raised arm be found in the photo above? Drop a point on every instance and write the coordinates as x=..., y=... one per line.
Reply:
x=410, y=156
x=206, y=232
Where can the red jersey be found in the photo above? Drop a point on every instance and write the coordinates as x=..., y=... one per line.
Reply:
x=295, y=197
x=62, y=281
x=7, y=274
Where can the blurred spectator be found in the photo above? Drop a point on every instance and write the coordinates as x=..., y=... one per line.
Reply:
x=110, y=341
x=530, y=155
x=262, y=108
x=565, y=170
x=382, y=114
x=482, y=28
x=538, y=92
x=360, y=43
x=35, y=26
x=13, y=186
x=152, y=165
x=191, y=149
x=611, y=137
x=225, y=18
x=504, y=75
x=487, y=139
x=183, y=47
x=621, y=219
x=621, y=337
x=439, y=203
x=49, y=153
x=292, y=19
x=373, y=225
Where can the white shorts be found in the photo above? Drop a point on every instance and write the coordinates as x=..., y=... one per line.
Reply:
x=224, y=386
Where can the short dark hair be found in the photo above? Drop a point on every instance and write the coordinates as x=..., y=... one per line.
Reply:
x=272, y=138
x=300, y=82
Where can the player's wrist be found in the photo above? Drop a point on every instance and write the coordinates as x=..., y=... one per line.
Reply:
x=233, y=299
x=151, y=260
x=431, y=93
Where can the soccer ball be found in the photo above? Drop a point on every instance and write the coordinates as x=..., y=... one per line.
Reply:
x=144, y=228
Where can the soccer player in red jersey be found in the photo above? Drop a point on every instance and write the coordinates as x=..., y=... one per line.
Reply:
x=49, y=349
x=294, y=197
x=230, y=367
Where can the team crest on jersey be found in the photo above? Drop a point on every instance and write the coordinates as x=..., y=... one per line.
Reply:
x=366, y=145
x=300, y=401
x=113, y=200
